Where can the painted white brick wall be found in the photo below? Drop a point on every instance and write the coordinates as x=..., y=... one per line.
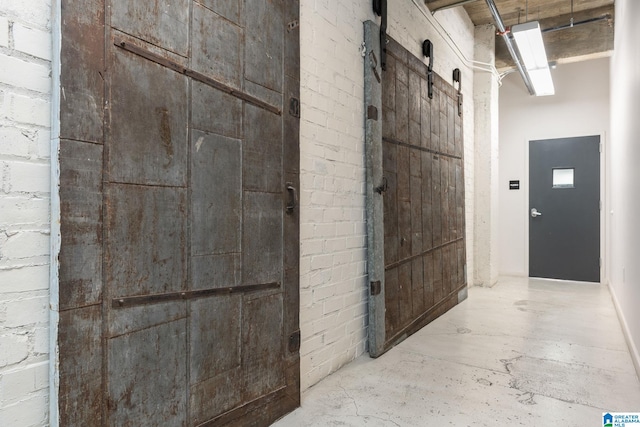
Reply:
x=333, y=312
x=333, y=239
x=25, y=87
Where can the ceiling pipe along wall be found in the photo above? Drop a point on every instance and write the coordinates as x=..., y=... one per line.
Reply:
x=510, y=45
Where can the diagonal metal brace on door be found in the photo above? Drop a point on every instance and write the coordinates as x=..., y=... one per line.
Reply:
x=195, y=75
x=380, y=8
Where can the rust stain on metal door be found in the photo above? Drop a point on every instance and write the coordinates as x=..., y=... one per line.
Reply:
x=179, y=259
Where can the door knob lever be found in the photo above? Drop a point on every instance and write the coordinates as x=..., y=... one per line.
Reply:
x=535, y=213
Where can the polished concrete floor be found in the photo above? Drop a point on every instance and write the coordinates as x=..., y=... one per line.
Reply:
x=523, y=353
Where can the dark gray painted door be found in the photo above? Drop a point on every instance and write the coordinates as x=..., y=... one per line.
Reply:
x=564, y=228
x=415, y=195
x=179, y=258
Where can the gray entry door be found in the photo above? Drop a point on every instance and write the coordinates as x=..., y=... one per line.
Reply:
x=564, y=208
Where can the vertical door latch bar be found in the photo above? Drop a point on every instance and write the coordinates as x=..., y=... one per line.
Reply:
x=457, y=78
x=427, y=51
x=294, y=107
x=293, y=198
x=380, y=9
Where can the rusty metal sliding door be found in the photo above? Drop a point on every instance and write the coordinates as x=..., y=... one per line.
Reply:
x=415, y=193
x=179, y=171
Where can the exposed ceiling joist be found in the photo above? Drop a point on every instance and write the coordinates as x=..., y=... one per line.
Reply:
x=580, y=41
x=436, y=5
x=588, y=40
x=513, y=11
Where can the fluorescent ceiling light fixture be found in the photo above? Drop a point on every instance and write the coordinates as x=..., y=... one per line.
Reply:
x=529, y=40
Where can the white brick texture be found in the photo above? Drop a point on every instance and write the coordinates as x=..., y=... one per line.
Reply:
x=25, y=109
x=21, y=73
x=35, y=13
x=333, y=236
x=4, y=32
x=23, y=381
x=32, y=41
x=333, y=295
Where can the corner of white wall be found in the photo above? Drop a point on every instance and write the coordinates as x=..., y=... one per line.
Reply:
x=624, y=269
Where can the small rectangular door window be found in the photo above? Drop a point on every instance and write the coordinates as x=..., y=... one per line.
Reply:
x=563, y=178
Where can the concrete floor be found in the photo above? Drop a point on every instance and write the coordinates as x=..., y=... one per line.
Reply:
x=523, y=353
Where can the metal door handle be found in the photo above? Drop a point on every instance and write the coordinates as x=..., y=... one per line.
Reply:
x=535, y=213
x=293, y=200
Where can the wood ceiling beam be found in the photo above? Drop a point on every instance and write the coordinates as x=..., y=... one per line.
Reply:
x=514, y=10
x=435, y=5
x=580, y=41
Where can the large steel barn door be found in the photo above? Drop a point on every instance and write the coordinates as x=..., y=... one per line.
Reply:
x=415, y=194
x=179, y=169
